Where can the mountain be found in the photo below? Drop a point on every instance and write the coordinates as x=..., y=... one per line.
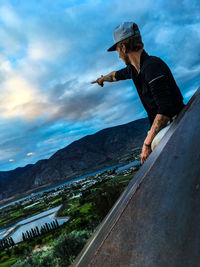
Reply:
x=85, y=155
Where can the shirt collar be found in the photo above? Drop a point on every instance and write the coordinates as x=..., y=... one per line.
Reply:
x=143, y=57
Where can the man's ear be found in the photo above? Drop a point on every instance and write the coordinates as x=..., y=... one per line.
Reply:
x=123, y=48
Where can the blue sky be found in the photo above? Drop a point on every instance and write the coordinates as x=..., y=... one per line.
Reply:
x=50, y=51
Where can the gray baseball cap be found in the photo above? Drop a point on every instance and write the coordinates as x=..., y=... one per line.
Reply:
x=123, y=31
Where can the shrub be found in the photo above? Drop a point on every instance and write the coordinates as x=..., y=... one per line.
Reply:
x=61, y=254
x=68, y=246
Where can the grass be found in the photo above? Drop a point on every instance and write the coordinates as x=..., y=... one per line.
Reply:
x=57, y=200
x=81, y=215
x=9, y=262
x=85, y=208
x=17, y=214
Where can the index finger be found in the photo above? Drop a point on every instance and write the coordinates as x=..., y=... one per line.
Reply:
x=94, y=82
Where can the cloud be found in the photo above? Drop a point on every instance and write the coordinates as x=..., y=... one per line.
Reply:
x=19, y=98
x=9, y=17
x=29, y=154
x=49, y=54
x=47, y=48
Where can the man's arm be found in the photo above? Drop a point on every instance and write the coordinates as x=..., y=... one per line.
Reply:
x=159, y=123
x=107, y=78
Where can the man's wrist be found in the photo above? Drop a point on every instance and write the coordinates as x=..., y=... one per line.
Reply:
x=107, y=78
x=148, y=145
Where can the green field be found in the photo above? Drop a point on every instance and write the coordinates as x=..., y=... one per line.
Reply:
x=85, y=212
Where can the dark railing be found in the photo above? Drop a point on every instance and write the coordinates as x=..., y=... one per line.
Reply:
x=156, y=221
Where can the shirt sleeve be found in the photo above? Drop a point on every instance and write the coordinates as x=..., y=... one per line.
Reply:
x=157, y=77
x=123, y=74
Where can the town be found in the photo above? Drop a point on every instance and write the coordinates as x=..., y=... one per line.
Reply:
x=74, y=210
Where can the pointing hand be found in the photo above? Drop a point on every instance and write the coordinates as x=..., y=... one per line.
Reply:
x=99, y=81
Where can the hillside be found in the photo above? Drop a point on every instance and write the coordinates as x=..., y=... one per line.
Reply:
x=87, y=154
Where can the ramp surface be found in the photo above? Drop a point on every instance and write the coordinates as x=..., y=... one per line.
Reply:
x=156, y=221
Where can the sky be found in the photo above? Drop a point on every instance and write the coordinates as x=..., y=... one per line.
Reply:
x=50, y=51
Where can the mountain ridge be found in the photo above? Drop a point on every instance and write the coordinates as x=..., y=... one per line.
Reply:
x=82, y=156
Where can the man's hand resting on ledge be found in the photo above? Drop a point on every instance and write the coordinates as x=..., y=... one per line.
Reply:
x=159, y=123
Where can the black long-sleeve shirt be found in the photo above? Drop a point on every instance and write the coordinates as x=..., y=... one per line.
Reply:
x=155, y=85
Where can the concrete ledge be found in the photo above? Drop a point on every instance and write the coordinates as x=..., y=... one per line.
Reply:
x=156, y=221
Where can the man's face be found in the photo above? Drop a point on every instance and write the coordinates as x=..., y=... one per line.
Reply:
x=123, y=55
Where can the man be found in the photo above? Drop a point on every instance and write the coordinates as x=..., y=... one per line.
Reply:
x=153, y=80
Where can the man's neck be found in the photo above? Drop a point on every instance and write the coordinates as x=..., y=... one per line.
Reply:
x=134, y=58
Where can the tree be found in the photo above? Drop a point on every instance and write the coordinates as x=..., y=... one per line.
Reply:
x=23, y=237
x=105, y=197
x=68, y=246
x=52, y=226
x=8, y=252
x=18, y=250
x=47, y=227
x=28, y=234
x=56, y=221
x=37, y=230
x=32, y=232
x=12, y=243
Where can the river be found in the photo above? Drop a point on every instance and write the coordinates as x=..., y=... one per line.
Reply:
x=31, y=222
x=63, y=184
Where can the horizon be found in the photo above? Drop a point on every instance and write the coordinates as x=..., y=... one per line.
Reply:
x=19, y=167
x=52, y=51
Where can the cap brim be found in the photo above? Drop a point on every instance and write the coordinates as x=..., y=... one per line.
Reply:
x=112, y=48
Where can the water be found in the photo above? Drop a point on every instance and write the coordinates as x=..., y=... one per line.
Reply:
x=36, y=220
x=42, y=214
x=132, y=164
x=49, y=215
x=3, y=232
x=63, y=184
